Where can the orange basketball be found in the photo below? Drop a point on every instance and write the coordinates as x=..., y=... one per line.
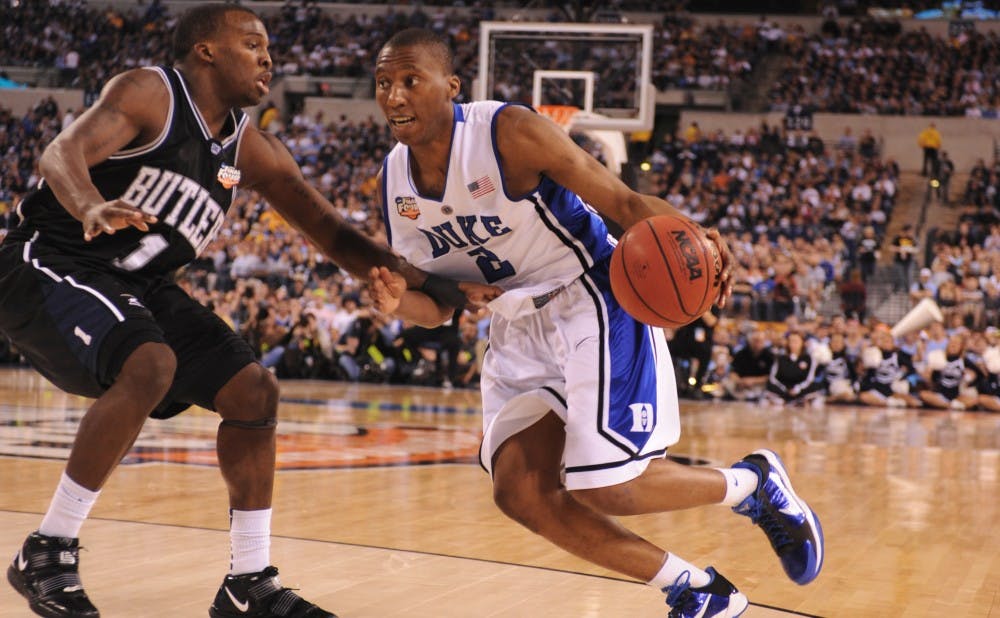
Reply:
x=665, y=271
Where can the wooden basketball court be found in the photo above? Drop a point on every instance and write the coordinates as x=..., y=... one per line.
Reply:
x=381, y=510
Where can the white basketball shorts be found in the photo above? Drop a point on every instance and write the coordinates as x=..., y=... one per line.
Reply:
x=608, y=377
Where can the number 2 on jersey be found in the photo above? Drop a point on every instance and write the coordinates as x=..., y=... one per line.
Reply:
x=493, y=268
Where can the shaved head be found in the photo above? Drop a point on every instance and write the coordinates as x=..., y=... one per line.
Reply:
x=420, y=37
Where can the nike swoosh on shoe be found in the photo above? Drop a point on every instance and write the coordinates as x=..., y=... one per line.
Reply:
x=243, y=606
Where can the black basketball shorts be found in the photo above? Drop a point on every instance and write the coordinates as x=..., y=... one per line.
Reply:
x=78, y=325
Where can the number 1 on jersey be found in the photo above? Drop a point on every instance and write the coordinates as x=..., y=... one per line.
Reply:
x=149, y=247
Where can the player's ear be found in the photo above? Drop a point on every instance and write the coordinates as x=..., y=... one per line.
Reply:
x=454, y=86
x=203, y=51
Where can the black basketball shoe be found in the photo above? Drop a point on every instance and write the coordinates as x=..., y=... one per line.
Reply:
x=45, y=571
x=261, y=595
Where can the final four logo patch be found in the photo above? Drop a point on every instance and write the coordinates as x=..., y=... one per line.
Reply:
x=407, y=207
x=228, y=176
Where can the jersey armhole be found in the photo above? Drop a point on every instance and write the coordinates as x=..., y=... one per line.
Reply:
x=156, y=143
x=496, y=153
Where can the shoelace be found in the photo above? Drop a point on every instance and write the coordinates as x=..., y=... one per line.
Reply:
x=678, y=594
x=772, y=527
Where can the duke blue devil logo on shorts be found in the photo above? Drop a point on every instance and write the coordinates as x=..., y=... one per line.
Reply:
x=642, y=417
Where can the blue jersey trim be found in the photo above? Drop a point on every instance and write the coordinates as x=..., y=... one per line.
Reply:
x=602, y=363
x=385, y=199
x=581, y=221
x=543, y=214
x=496, y=153
x=457, y=116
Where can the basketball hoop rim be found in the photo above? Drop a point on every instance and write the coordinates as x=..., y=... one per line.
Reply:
x=562, y=115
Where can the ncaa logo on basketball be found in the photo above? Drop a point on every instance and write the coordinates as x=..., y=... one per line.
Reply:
x=407, y=207
x=690, y=254
x=642, y=417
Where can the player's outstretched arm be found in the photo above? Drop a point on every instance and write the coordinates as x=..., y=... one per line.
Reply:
x=132, y=109
x=389, y=295
x=271, y=171
x=532, y=146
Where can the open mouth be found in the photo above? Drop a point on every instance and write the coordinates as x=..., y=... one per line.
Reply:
x=401, y=121
x=263, y=83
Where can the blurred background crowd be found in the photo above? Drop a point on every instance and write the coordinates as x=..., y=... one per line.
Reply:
x=808, y=219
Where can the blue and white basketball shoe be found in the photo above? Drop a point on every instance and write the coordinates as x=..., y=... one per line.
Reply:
x=791, y=526
x=718, y=599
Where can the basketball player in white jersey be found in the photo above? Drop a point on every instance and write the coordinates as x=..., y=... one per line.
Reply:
x=579, y=399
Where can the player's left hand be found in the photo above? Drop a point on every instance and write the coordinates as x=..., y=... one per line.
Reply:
x=478, y=294
x=725, y=277
x=386, y=288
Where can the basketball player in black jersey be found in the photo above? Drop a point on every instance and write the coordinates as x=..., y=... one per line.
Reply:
x=133, y=190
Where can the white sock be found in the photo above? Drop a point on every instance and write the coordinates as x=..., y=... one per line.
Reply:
x=70, y=506
x=673, y=568
x=740, y=483
x=249, y=540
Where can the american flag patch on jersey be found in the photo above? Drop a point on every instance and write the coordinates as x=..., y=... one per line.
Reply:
x=480, y=187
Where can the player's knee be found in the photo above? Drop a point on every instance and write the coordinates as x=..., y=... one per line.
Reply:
x=513, y=504
x=150, y=370
x=251, y=395
x=524, y=504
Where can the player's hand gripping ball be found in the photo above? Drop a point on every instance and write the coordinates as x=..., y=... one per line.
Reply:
x=665, y=271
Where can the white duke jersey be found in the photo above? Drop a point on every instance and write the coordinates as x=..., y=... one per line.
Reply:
x=529, y=245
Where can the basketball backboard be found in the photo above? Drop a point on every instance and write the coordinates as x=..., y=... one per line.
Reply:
x=602, y=69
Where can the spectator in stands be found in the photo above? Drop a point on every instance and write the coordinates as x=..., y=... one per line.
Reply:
x=719, y=381
x=948, y=299
x=448, y=343
x=751, y=365
x=270, y=118
x=875, y=68
x=793, y=376
x=691, y=350
x=847, y=142
x=854, y=296
x=971, y=302
x=785, y=292
x=946, y=169
x=991, y=303
x=935, y=338
x=468, y=364
x=868, y=252
x=929, y=140
x=867, y=147
x=692, y=133
x=904, y=246
x=923, y=287
x=743, y=294
x=302, y=356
